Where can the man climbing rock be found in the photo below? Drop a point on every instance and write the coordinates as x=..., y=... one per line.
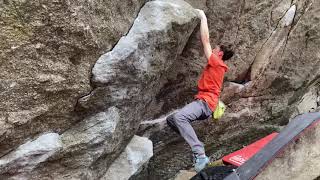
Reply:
x=207, y=99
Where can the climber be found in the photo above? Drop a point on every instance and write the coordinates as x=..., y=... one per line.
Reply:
x=207, y=99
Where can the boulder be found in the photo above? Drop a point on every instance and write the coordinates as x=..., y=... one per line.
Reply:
x=88, y=140
x=274, y=43
x=273, y=77
x=51, y=80
x=134, y=71
x=69, y=37
x=27, y=156
x=48, y=49
x=137, y=153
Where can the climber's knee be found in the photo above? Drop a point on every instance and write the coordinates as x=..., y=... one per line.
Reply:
x=171, y=123
x=170, y=120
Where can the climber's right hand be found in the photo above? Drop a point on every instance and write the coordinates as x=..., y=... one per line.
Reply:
x=201, y=13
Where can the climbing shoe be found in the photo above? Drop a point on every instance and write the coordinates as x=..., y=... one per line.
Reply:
x=200, y=162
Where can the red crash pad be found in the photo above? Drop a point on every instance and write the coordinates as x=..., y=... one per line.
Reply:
x=239, y=157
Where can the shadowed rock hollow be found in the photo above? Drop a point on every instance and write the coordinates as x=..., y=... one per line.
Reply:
x=83, y=75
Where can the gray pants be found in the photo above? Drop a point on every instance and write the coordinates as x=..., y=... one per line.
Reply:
x=181, y=123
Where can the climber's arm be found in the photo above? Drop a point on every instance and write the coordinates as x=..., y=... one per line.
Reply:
x=205, y=34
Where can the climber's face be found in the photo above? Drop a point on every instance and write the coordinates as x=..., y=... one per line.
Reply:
x=217, y=51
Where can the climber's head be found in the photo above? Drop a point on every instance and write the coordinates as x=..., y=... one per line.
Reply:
x=225, y=52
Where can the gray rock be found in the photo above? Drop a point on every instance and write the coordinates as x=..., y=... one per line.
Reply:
x=29, y=155
x=276, y=45
x=231, y=91
x=146, y=60
x=185, y=174
x=136, y=154
x=122, y=79
x=82, y=147
x=93, y=131
x=273, y=45
x=47, y=52
x=49, y=49
x=158, y=132
x=133, y=71
x=289, y=16
x=309, y=102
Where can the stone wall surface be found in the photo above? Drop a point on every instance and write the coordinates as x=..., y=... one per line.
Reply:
x=54, y=81
x=47, y=51
x=273, y=76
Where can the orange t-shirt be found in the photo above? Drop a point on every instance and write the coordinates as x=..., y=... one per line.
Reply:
x=210, y=83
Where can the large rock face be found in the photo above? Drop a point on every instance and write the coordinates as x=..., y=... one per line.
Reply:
x=273, y=77
x=47, y=79
x=47, y=52
x=48, y=91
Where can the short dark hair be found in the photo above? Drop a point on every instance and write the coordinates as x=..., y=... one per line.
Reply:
x=227, y=51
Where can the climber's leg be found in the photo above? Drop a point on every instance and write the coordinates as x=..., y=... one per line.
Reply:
x=197, y=110
x=171, y=123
